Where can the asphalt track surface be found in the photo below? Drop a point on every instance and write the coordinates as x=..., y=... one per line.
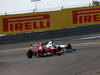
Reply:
x=84, y=61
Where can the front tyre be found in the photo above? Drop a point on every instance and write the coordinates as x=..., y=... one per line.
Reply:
x=29, y=54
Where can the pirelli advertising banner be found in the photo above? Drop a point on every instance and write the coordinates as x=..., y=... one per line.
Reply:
x=30, y=22
x=52, y=20
x=81, y=16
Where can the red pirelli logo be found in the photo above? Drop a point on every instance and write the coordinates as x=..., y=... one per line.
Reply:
x=86, y=16
x=26, y=22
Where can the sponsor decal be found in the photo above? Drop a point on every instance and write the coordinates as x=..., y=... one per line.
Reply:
x=22, y=23
x=89, y=15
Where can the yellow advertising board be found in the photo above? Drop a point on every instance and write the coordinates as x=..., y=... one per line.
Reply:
x=52, y=20
x=81, y=16
x=1, y=25
x=30, y=22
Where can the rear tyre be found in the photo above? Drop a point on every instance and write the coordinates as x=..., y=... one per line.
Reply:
x=42, y=53
x=68, y=48
x=59, y=49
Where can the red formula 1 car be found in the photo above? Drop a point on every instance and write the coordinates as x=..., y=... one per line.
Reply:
x=47, y=49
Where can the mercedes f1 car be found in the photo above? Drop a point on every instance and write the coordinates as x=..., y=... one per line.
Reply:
x=48, y=49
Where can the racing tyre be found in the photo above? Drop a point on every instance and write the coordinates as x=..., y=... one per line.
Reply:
x=42, y=53
x=29, y=54
x=59, y=48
